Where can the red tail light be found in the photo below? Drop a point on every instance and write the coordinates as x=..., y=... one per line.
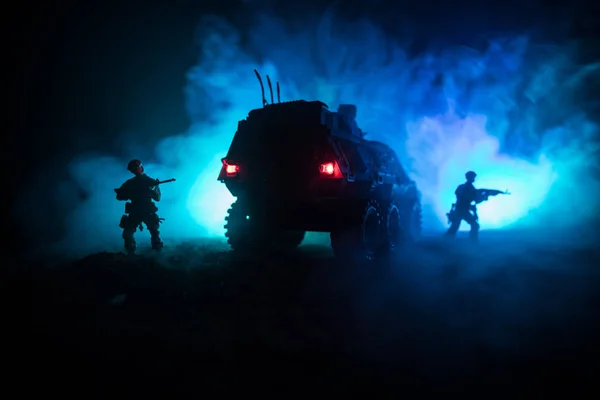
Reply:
x=229, y=169
x=330, y=170
x=232, y=169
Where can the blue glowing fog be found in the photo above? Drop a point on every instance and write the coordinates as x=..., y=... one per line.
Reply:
x=509, y=112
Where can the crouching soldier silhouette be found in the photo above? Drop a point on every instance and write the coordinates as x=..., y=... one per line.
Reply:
x=140, y=191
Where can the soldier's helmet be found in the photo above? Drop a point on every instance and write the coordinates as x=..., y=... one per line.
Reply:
x=470, y=176
x=133, y=166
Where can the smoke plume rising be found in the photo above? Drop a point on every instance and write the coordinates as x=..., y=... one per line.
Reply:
x=512, y=110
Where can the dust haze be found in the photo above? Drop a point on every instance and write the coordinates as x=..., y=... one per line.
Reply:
x=515, y=109
x=519, y=306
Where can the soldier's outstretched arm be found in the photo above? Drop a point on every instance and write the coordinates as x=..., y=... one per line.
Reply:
x=480, y=197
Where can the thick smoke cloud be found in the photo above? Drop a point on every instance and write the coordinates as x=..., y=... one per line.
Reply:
x=511, y=110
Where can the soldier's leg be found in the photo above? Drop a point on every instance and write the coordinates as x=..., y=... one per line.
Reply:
x=129, y=240
x=454, y=226
x=153, y=224
x=129, y=226
x=471, y=220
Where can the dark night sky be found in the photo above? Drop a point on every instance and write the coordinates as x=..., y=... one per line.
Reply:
x=93, y=66
x=93, y=70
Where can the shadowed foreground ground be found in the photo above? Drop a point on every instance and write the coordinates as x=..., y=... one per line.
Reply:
x=520, y=312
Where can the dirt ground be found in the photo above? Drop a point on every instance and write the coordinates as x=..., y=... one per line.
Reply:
x=516, y=311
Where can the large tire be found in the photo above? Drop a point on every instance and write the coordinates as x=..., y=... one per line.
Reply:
x=238, y=228
x=412, y=221
x=363, y=242
x=288, y=240
x=394, y=232
x=246, y=233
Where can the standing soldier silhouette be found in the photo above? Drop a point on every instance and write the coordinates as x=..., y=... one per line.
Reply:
x=140, y=191
x=466, y=194
x=465, y=210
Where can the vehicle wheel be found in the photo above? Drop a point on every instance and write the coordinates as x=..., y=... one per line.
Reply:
x=288, y=240
x=363, y=242
x=371, y=230
x=339, y=244
x=412, y=221
x=246, y=233
x=238, y=227
x=394, y=233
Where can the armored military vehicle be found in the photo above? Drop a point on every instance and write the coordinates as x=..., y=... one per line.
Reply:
x=297, y=166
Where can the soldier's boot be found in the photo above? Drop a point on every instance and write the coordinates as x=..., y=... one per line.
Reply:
x=129, y=241
x=474, y=233
x=130, y=246
x=157, y=244
x=451, y=232
x=155, y=241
